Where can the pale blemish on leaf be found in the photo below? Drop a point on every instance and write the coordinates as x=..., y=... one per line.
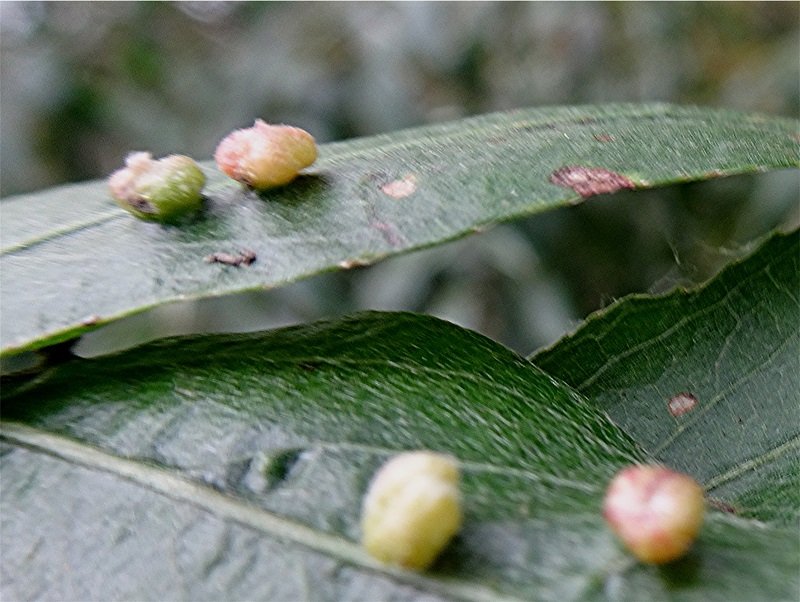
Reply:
x=91, y=320
x=588, y=181
x=349, y=264
x=401, y=188
x=681, y=404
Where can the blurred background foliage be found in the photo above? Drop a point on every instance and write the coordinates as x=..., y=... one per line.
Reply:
x=84, y=83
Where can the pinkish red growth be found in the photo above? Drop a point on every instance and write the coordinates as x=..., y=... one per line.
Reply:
x=265, y=156
x=681, y=404
x=655, y=511
x=588, y=181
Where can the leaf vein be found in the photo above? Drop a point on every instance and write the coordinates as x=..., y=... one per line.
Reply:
x=721, y=396
x=754, y=463
x=221, y=505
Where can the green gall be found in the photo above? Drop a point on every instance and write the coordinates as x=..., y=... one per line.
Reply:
x=159, y=190
x=412, y=509
x=655, y=511
x=265, y=156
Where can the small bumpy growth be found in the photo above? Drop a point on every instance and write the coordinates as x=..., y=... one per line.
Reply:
x=265, y=156
x=412, y=509
x=655, y=511
x=160, y=190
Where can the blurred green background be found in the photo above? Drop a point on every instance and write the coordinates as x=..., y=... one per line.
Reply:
x=84, y=83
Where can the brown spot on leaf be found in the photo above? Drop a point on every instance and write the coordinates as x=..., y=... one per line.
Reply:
x=588, y=181
x=604, y=137
x=245, y=257
x=681, y=404
x=401, y=188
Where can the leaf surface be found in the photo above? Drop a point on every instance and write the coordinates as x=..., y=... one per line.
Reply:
x=734, y=347
x=71, y=261
x=234, y=466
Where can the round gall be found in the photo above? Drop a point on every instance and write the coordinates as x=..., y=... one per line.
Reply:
x=265, y=156
x=412, y=509
x=655, y=511
x=158, y=189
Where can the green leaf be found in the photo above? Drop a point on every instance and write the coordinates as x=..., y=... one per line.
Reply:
x=734, y=346
x=72, y=261
x=233, y=467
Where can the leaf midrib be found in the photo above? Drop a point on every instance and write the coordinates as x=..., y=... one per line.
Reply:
x=178, y=488
x=71, y=228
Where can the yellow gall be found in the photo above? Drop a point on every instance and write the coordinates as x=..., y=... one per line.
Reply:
x=655, y=511
x=265, y=156
x=412, y=509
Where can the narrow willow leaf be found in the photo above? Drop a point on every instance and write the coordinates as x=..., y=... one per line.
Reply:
x=233, y=467
x=71, y=261
x=706, y=380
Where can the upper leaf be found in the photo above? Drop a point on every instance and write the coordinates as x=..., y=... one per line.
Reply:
x=233, y=467
x=71, y=260
x=706, y=380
